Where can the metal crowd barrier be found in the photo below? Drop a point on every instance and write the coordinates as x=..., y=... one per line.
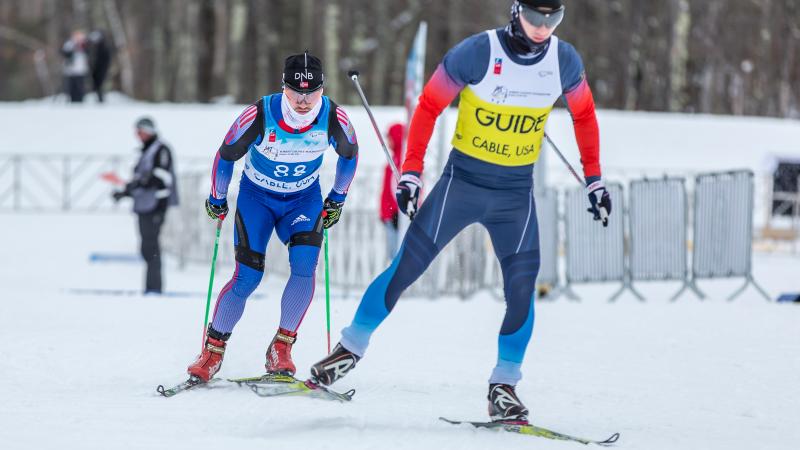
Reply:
x=723, y=229
x=652, y=248
x=656, y=239
x=37, y=183
x=658, y=219
x=594, y=253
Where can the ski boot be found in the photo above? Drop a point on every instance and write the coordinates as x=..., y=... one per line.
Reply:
x=505, y=406
x=209, y=361
x=334, y=366
x=279, y=353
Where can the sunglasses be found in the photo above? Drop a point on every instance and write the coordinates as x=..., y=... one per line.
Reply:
x=549, y=19
x=303, y=97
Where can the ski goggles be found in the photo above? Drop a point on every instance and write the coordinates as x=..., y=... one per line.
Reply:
x=549, y=19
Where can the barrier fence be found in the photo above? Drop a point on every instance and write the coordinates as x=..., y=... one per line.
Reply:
x=658, y=220
x=593, y=253
x=37, y=183
x=646, y=239
x=723, y=229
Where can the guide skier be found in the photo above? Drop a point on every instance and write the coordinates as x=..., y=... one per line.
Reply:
x=508, y=80
x=283, y=138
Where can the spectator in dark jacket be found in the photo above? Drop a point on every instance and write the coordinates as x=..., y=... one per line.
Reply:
x=99, y=60
x=153, y=190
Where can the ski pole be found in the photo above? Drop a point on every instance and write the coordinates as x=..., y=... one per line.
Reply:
x=327, y=293
x=353, y=74
x=564, y=160
x=574, y=173
x=211, y=278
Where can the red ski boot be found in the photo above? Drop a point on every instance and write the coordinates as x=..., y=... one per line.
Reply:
x=279, y=353
x=209, y=361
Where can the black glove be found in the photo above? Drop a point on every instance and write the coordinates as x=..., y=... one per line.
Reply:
x=217, y=211
x=119, y=195
x=407, y=193
x=600, y=201
x=331, y=212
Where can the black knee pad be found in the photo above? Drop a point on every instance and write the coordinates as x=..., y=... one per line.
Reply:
x=250, y=258
x=519, y=281
x=244, y=254
x=312, y=238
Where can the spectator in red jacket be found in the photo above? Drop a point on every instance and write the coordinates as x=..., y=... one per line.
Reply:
x=388, y=211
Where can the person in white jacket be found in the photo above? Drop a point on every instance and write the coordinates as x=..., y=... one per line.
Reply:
x=76, y=66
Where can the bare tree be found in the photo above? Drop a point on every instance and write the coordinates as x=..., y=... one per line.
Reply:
x=121, y=43
x=674, y=55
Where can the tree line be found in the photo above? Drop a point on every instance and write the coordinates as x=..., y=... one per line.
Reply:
x=712, y=56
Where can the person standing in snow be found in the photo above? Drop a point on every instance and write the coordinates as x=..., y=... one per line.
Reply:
x=76, y=65
x=283, y=138
x=99, y=61
x=508, y=80
x=153, y=189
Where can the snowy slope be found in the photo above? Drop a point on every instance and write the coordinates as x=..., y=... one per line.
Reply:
x=630, y=141
x=633, y=144
x=80, y=371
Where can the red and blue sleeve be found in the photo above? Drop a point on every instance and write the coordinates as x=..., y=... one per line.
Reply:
x=243, y=132
x=464, y=64
x=343, y=139
x=580, y=103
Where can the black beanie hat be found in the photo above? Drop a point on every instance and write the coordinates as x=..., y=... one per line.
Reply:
x=146, y=124
x=303, y=72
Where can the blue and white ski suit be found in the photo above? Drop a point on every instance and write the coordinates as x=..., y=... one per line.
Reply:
x=279, y=190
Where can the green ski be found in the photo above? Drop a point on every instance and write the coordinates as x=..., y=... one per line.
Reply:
x=532, y=430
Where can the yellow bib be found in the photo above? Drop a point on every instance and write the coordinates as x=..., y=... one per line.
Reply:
x=499, y=134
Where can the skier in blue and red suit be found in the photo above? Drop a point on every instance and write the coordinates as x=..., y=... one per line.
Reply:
x=283, y=138
x=508, y=80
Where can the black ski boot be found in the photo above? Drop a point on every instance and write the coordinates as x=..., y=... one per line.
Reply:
x=505, y=406
x=333, y=366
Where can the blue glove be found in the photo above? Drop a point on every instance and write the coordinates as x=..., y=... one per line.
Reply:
x=600, y=201
x=407, y=193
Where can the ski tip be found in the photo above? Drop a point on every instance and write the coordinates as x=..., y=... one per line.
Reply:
x=614, y=438
x=161, y=390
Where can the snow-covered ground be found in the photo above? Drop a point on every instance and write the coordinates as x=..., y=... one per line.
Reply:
x=79, y=372
x=638, y=142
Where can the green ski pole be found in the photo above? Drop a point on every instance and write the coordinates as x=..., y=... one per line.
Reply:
x=327, y=292
x=211, y=278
